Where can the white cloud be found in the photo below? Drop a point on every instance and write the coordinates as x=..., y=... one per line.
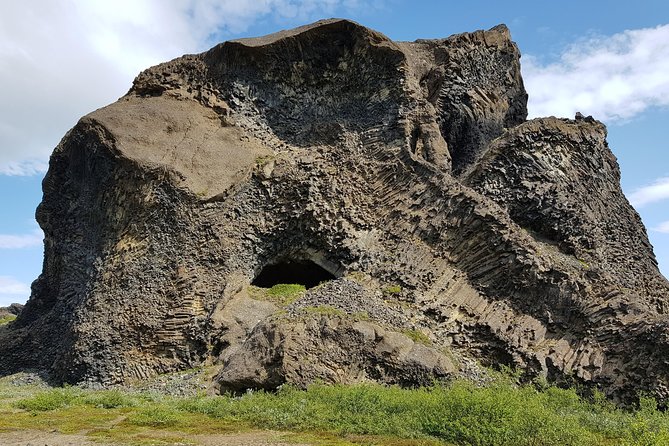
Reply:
x=60, y=59
x=612, y=78
x=662, y=227
x=12, y=287
x=9, y=241
x=657, y=191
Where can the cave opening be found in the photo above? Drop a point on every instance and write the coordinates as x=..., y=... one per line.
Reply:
x=302, y=272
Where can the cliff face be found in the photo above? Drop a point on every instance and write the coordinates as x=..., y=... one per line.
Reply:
x=447, y=230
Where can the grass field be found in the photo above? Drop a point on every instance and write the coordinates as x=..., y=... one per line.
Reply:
x=456, y=414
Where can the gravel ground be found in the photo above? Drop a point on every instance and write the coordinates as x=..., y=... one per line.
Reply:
x=178, y=384
x=27, y=379
x=181, y=384
x=43, y=438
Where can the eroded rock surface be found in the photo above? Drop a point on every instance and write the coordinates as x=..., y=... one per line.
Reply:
x=452, y=230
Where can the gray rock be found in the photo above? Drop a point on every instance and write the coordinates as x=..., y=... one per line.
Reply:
x=329, y=349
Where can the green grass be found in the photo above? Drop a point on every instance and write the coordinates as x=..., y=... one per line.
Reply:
x=51, y=399
x=417, y=336
x=156, y=416
x=4, y=320
x=111, y=399
x=459, y=413
x=283, y=293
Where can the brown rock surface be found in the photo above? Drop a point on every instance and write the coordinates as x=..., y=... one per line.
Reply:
x=450, y=229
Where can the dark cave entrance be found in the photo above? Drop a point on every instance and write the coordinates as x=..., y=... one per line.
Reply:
x=302, y=272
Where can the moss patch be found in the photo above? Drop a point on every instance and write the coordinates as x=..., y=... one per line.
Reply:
x=282, y=294
x=417, y=336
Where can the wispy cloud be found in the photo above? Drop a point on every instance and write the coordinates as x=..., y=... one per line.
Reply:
x=61, y=59
x=611, y=78
x=657, y=191
x=26, y=167
x=9, y=241
x=662, y=227
x=12, y=287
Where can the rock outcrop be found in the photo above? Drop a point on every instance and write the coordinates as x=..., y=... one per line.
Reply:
x=447, y=229
x=12, y=309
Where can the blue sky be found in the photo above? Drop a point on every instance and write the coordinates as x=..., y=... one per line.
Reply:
x=60, y=59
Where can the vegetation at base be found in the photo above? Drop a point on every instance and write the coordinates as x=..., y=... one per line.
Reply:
x=282, y=293
x=4, y=320
x=417, y=336
x=49, y=400
x=460, y=413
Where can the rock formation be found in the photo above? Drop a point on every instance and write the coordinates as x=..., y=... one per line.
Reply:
x=12, y=309
x=434, y=226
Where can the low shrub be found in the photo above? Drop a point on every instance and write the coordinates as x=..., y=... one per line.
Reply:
x=110, y=399
x=51, y=399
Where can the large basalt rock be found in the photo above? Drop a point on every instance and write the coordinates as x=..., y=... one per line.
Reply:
x=451, y=230
x=331, y=349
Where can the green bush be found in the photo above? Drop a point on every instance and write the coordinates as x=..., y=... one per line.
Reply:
x=499, y=415
x=51, y=399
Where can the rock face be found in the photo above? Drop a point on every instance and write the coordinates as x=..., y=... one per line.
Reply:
x=449, y=230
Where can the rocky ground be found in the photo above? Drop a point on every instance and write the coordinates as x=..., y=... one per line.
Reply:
x=41, y=438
